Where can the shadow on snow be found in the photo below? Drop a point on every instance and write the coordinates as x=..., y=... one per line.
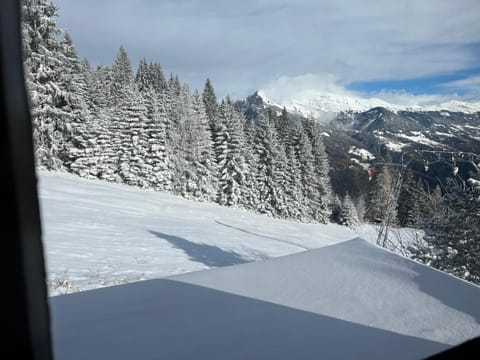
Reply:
x=168, y=319
x=208, y=255
x=261, y=236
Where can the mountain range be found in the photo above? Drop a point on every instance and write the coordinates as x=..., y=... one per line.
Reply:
x=363, y=133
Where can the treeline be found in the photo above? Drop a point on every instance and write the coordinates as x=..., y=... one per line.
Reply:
x=142, y=129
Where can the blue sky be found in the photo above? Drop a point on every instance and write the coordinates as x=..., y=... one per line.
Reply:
x=404, y=50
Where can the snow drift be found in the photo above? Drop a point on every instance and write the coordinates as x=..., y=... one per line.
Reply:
x=350, y=300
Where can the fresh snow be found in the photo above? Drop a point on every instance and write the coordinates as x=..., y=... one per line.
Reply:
x=334, y=296
x=361, y=283
x=345, y=301
x=100, y=234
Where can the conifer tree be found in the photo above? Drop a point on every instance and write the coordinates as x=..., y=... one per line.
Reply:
x=322, y=169
x=157, y=78
x=76, y=116
x=229, y=144
x=308, y=178
x=210, y=101
x=122, y=77
x=43, y=68
x=143, y=78
x=271, y=168
x=294, y=187
x=201, y=168
x=348, y=215
x=157, y=158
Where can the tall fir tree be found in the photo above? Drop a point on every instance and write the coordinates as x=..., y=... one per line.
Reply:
x=229, y=144
x=143, y=77
x=322, y=169
x=157, y=78
x=210, y=101
x=202, y=184
x=157, y=157
x=122, y=77
x=77, y=117
x=270, y=169
x=308, y=177
x=43, y=65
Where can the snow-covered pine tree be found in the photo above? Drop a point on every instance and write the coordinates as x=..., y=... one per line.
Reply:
x=157, y=78
x=122, y=77
x=127, y=125
x=157, y=157
x=202, y=169
x=150, y=76
x=129, y=118
x=249, y=189
x=143, y=78
x=175, y=108
x=99, y=158
x=210, y=101
x=175, y=85
x=99, y=91
x=296, y=201
x=281, y=181
x=229, y=147
x=88, y=76
x=43, y=66
x=181, y=114
x=72, y=79
x=270, y=169
x=322, y=169
x=283, y=125
x=348, y=214
x=308, y=177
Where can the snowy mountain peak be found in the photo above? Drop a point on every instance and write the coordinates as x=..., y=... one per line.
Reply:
x=324, y=105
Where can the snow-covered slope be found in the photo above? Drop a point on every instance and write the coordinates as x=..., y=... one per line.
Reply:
x=345, y=301
x=100, y=234
x=321, y=105
x=348, y=300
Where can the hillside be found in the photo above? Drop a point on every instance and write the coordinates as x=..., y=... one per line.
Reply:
x=305, y=305
x=100, y=234
x=440, y=135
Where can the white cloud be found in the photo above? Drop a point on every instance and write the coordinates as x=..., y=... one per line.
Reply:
x=471, y=84
x=307, y=87
x=243, y=47
x=402, y=97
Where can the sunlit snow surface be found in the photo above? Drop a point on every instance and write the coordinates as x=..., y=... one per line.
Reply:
x=100, y=234
x=348, y=300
